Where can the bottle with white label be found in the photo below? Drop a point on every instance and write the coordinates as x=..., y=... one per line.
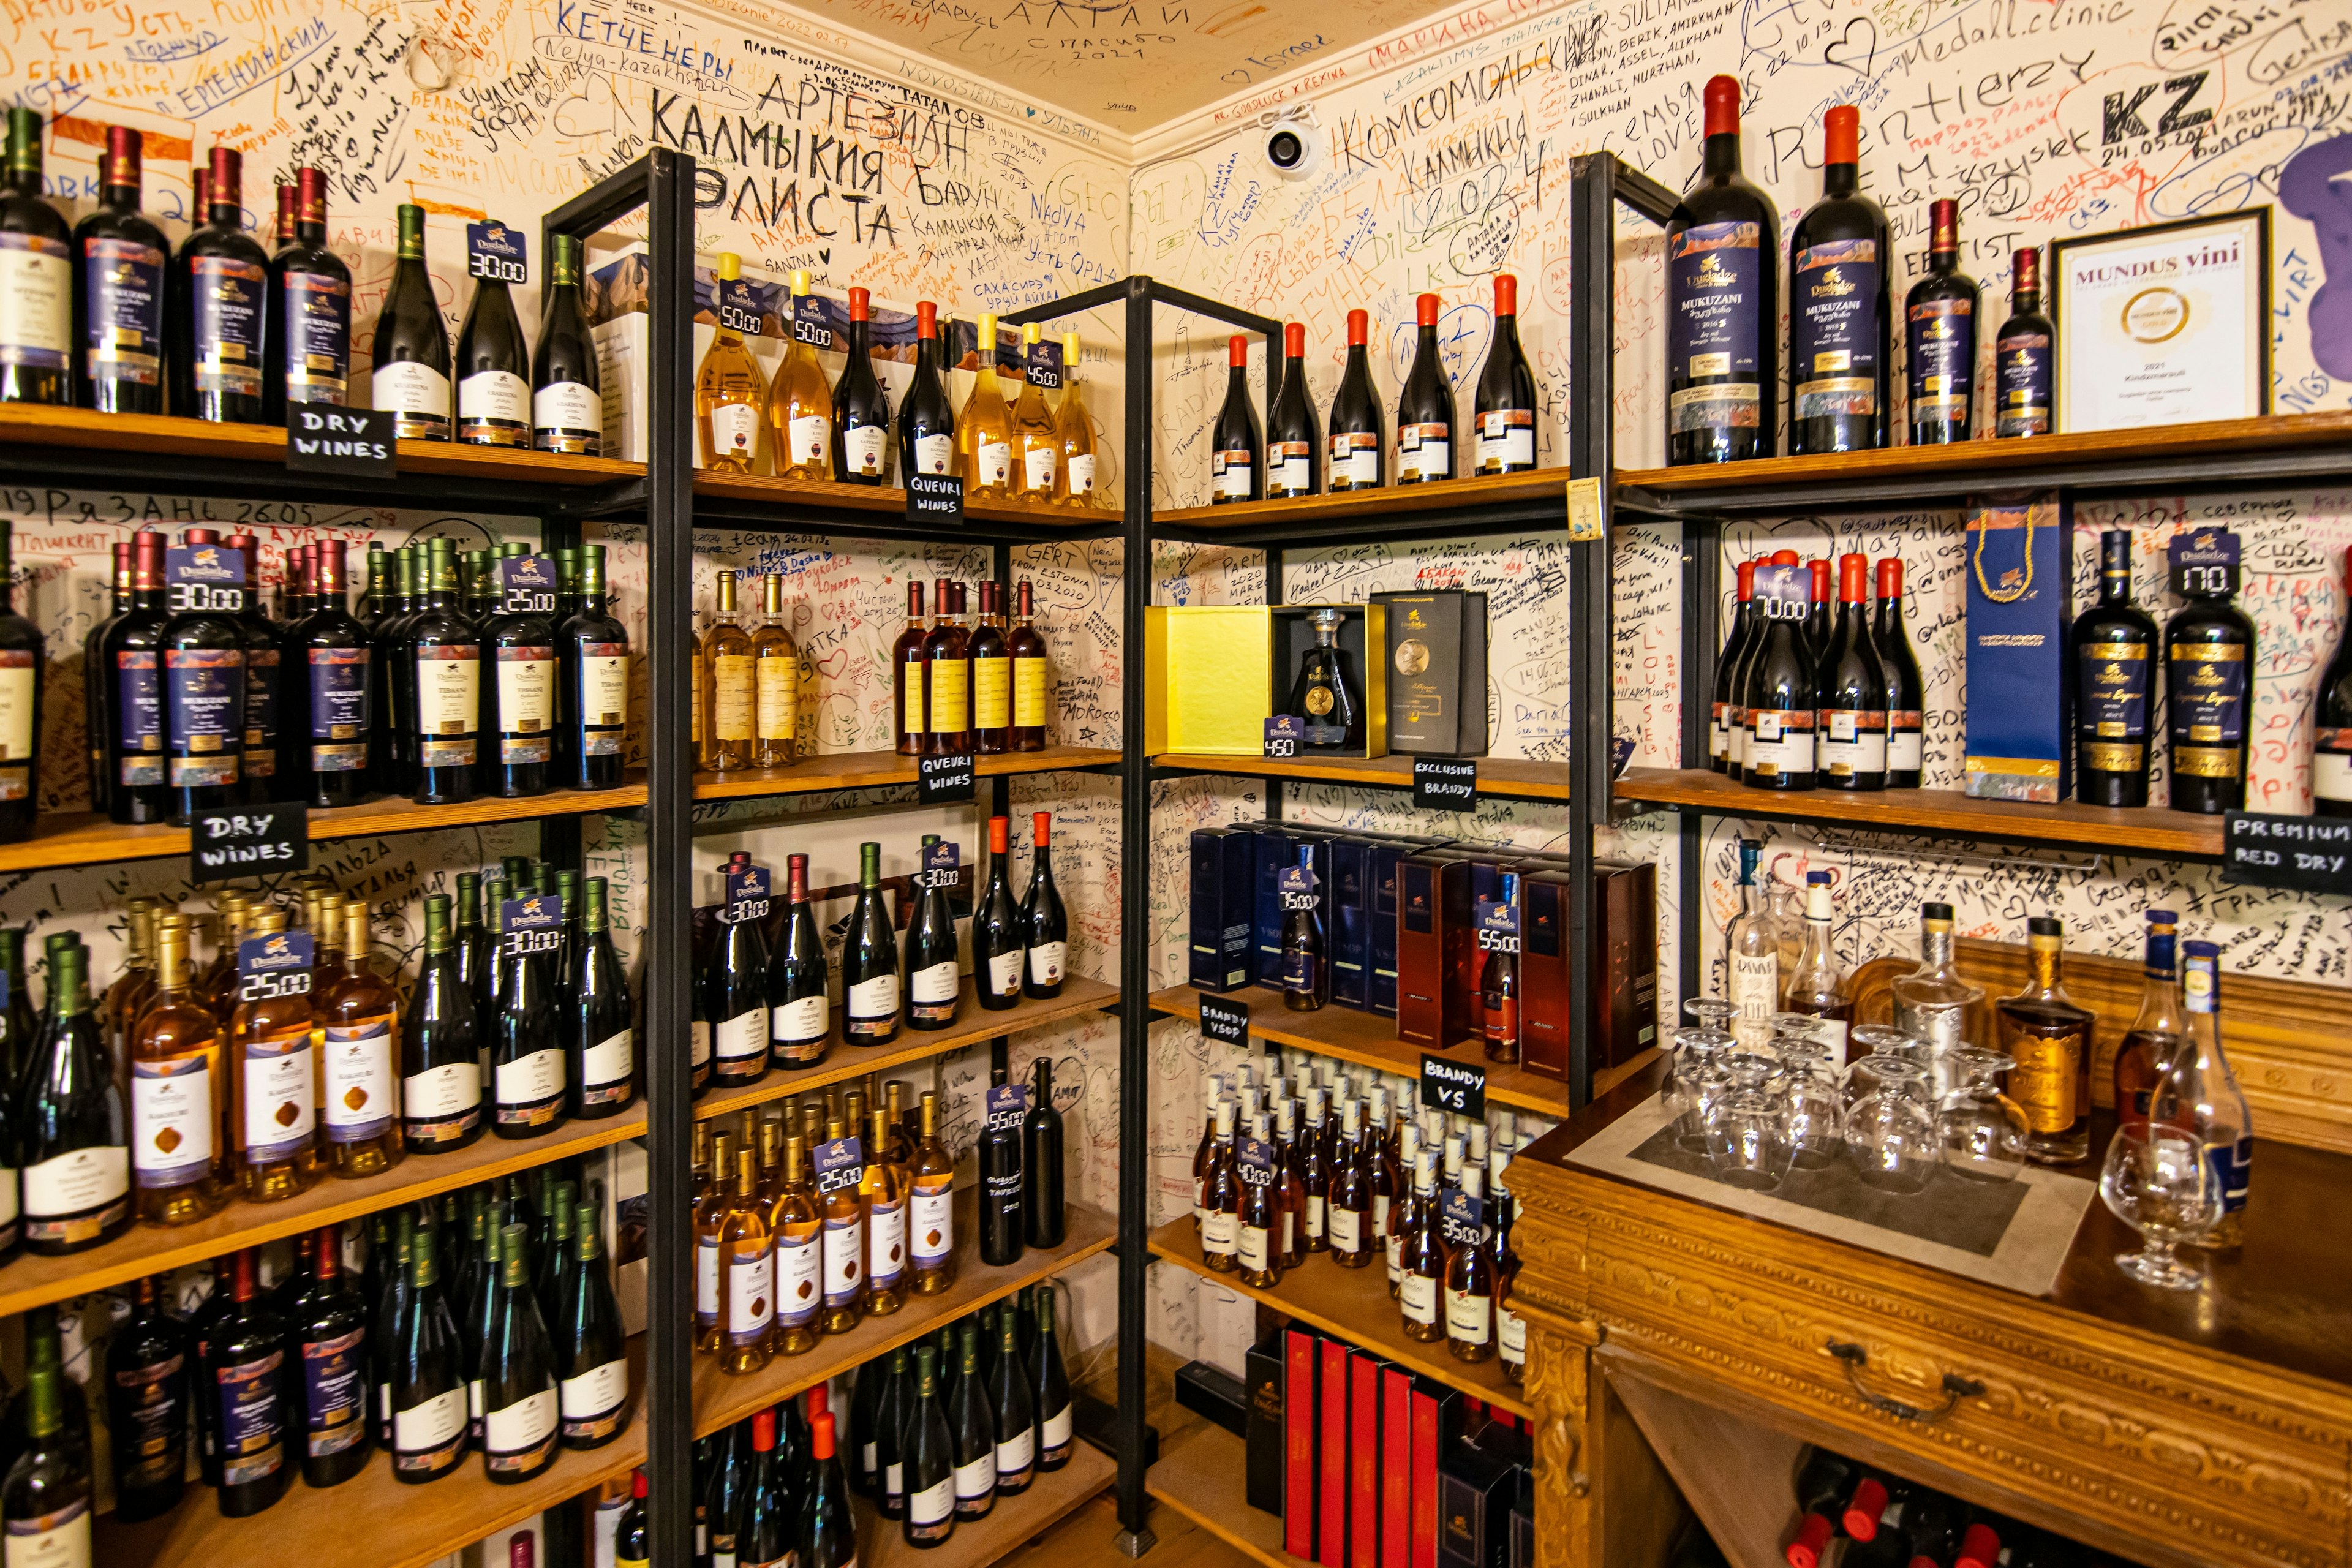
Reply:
x=1421, y=1259
x=728, y=390
x=796, y=1227
x=800, y=1017
x=411, y=352
x=1751, y=947
x=930, y=1207
x=800, y=404
x=275, y=1114
x=517, y=743
x=1221, y=1198
x=492, y=368
x=1236, y=447
x=36, y=276
x=47, y=1499
x=597, y=1019
x=358, y=1065
x=71, y=1128
x=1037, y=445
x=983, y=433
x=747, y=1260
x=887, y=1191
x=735, y=984
x=426, y=1392
x=1470, y=1278
x=861, y=404
x=528, y=1070
x=1074, y=430
x=592, y=1362
x=1424, y=424
x=869, y=959
x=776, y=669
x=1044, y=924
x=1510, y=1329
x=998, y=954
x=842, y=1201
x=927, y=424
x=1049, y=1383
x=934, y=978
x=1347, y=1210
x=567, y=403
x=443, y=649
x=179, y=1155
x=441, y=1045
x=927, y=1455
x=522, y=1406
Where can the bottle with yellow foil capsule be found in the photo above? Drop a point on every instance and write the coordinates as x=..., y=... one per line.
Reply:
x=179, y=1147
x=275, y=1117
x=1037, y=460
x=800, y=403
x=984, y=428
x=797, y=1228
x=776, y=682
x=728, y=390
x=360, y=1055
x=885, y=1187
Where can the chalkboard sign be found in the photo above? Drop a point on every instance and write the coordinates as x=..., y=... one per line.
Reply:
x=1225, y=1021
x=2304, y=854
x=942, y=781
x=934, y=497
x=251, y=841
x=350, y=443
x=1442, y=784
x=1459, y=1087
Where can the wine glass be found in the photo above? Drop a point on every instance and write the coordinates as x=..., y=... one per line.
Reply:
x=1890, y=1128
x=1983, y=1131
x=1710, y=1012
x=2158, y=1181
x=1694, y=1083
x=1815, y=1108
x=1746, y=1132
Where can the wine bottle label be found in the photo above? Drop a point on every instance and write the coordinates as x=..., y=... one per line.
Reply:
x=1046, y=961
x=932, y=1234
x=934, y=454
x=260, y=712
x=526, y=719
x=886, y=1243
x=1943, y=360
x=1005, y=973
x=873, y=1005
x=203, y=691
x=977, y=1479
x=935, y=984
x=1425, y=451
x=1507, y=440
x=359, y=1068
x=1852, y=740
x=1835, y=329
x=605, y=1069
x=1230, y=473
x=1512, y=1331
x=15, y=723
x=59, y=1539
x=1395, y=1244
x=1906, y=744
x=799, y=1272
x=1251, y=1251
x=1053, y=1432
x=1418, y=1295
x=1315, y=1216
x=1290, y=468
x=1467, y=1317
x=1355, y=460
x=2021, y=385
x=416, y=393
x=1715, y=311
x=1016, y=1453
x=2331, y=763
x=2046, y=1080
x=930, y=1511
x=567, y=417
x=799, y=1022
x=751, y=1290
x=226, y=299
x=448, y=703
x=844, y=1260
x=1220, y=1232
x=805, y=440
x=251, y=1415
x=780, y=696
x=1779, y=742
x=744, y=1039
x=1715, y=736
x=74, y=1195
x=151, y=1438
x=697, y=1036
x=949, y=701
x=338, y=709
x=2207, y=714
x=734, y=430
x=316, y=338
x=706, y=1280
x=518, y=1438
x=493, y=409
x=529, y=1090
x=172, y=1119
x=122, y=314
x=277, y=1094
x=604, y=696
x=1379, y=1217
x=995, y=462
x=35, y=301
x=1082, y=474
x=1345, y=1228
x=334, y=1394
x=441, y=1104
x=592, y=1403
x=992, y=693
x=862, y=449
x=732, y=688
x=2111, y=708
x=1037, y=469
x=139, y=698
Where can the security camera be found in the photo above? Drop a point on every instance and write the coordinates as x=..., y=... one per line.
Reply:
x=1294, y=144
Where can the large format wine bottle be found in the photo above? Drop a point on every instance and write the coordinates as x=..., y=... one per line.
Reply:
x=2115, y=643
x=37, y=332
x=444, y=651
x=441, y=1045
x=121, y=258
x=1850, y=735
x=1044, y=924
x=520, y=1405
x=148, y=1379
x=1424, y=429
x=591, y=686
x=220, y=285
x=567, y=403
x=1906, y=733
x=2331, y=717
x=2209, y=666
x=1042, y=1205
x=412, y=344
x=1357, y=432
x=861, y=406
x=869, y=959
x=1505, y=413
x=1837, y=357
x=1940, y=320
x=1236, y=450
x=934, y=985
x=1294, y=443
x=73, y=1140
x=1723, y=286
x=1781, y=685
x=329, y=1334
x=493, y=363
x=927, y=426
x=597, y=1029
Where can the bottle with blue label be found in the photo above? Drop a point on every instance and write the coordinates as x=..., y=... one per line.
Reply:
x=309, y=335
x=118, y=325
x=1837, y=305
x=36, y=280
x=265, y=677
x=2208, y=670
x=202, y=649
x=1723, y=293
x=2115, y=643
x=220, y=290
x=1305, y=967
x=1939, y=319
x=2199, y=1095
x=2023, y=354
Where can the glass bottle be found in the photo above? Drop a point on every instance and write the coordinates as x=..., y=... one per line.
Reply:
x=1236, y=472
x=1348, y=1208
x=599, y=1035
x=1306, y=957
x=593, y=685
x=35, y=344
x=844, y=1245
x=927, y=424
x=1257, y=1250
x=1510, y=1329
x=1838, y=359
x=946, y=667
x=1074, y=432
x=800, y=404
x=931, y=1207
x=984, y=428
x=800, y=1017
x=1001, y=1177
x=991, y=675
x=1933, y=1002
x=148, y=1389
x=1326, y=692
x=1043, y=1207
x=2049, y=1038
x=796, y=1227
x=492, y=366
x=2145, y=1055
x=2022, y=357
x=1032, y=670
x=730, y=704
x=179, y=1093
x=2331, y=717
x=1906, y=737
x=1037, y=445
x=2209, y=651
x=1044, y=922
x=1723, y=260
x=1470, y=1278
x=411, y=348
x=909, y=680
x=276, y=1115
x=728, y=390
x=1220, y=1199
x=2114, y=646
x=861, y=404
x=1817, y=985
x=1781, y=692
x=1751, y=950
x=1289, y=1188
x=119, y=258
x=567, y=404
x=1425, y=418
x=2199, y=1095
x=747, y=1295
x=711, y=1201
x=1422, y=1258
x=1009, y=1391
x=1850, y=736
x=776, y=682
x=1316, y=1170
x=884, y=1191
x=444, y=653
x=869, y=960
x=521, y=1405
x=358, y=1065
x=1498, y=984
x=220, y=279
x=1941, y=317
x=244, y=1372
x=203, y=649
x=441, y=1039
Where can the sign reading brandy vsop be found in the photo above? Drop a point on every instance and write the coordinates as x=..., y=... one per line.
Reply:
x=2304, y=854
x=1224, y=1021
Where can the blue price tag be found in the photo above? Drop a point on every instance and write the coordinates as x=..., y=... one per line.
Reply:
x=204, y=577
x=278, y=965
x=496, y=252
x=531, y=925
x=2203, y=561
x=1285, y=732
x=528, y=582
x=1007, y=1104
x=1256, y=1161
x=749, y=892
x=840, y=1165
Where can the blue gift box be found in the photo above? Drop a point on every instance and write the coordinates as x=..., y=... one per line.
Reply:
x=2020, y=701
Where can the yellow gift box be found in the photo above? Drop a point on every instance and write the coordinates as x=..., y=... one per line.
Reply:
x=1215, y=673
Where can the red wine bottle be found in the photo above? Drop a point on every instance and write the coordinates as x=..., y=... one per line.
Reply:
x=1425, y=406
x=2022, y=354
x=1236, y=453
x=244, y=1369
x=121, y=258
x=1505, y=408
x=1359, y=438
x=1837, y=305
x=1294, y=443
x=1940, y=320
x=309, y=335
x=1723, y=288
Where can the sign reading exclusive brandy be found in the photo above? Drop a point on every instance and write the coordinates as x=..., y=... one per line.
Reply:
x=2164, y=325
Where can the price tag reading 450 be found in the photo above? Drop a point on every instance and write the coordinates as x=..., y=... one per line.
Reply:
x=749, y=894
x=840, y=1165
x=534, y=924
x=1284, y=733
x=274, y=966
x=1008, y=1105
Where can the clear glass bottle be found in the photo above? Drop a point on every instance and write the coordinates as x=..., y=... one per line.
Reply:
x=1075, y=433
x=2145, y=1055
x=728, y=390
x=179, y=1089
x=776, y=682
x=1933, y=1002
x=1037, y=457
x=800, y=403
x=984, y=427
x=730, y=705
x=1751, y=947
x=2199, y=1095
x=1817, y=985
x=2049, y=1038
x=885, y=1192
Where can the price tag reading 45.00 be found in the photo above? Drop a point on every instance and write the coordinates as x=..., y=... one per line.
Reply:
x=1457, y=1088
x=1284, y=733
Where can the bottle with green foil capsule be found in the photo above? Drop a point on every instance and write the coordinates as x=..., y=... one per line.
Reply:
x=412, y=342
x=428, y=1383
x=591, y=1363
x=2199, y=1095
x=441, y=1042
x=591, y=702
x=46, y=1498
x=567, y=406
x=37, y=284
x=869, y=959
x=520, y=1405
x=599, y=1039
x=73, y=1136
x=444, y=652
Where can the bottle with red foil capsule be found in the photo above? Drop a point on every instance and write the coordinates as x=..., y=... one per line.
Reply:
x=1723, y=291
x=98, y=694
x=2331, y=752
x=907, y=667
x=1940, y=324
x=1981, y=1547
x=221, y=282
x=1504, y=412
x=1906, y=739
x=264, y=643
x=1820, y=1484
x=1865, y=1508
x=1294, y=445
x=1425, y=406
x=927, y=426
x=1044, y=923
x=1837, y=305
x=1817, y=621
x=284, y=235
x=310, y=336
x=1358, y=438
x=1850, y=740
x=861, y=406
x=122, y=257
x=2023, y=354
x=947, y=670
x=1719, y=725
x=1237, y=457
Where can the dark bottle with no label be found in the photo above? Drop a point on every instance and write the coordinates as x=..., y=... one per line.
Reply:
x=328, y=705
x=24, y=669
x=1906, y=721
x=1044, y=924
x=1505, y=414
x=2115, y=646
x=2024, y=355
x=861, y=406
x=246, y=1370
x=1940, y=326
x=201, y=648
x=1850, y=724
x=1042, y=1201
x=1781, y=685
x=1359, y=434
x=1424, y=427
x=2331, y=717
x=220, y=290
x=567, y=402
x=36, y=333
x=1294, y=441
x=443, y=654
x=329, y=1333
x=2209, y=689
x=122, y=259
x=309, y=340
x=265, y=686
x=1723, y=288
x=592, y=694
x=98, y=683
x=149, y=1372
x=1838, y=358
x=1237, y=449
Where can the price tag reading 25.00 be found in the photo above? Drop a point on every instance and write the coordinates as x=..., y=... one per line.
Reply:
x=840, y=1165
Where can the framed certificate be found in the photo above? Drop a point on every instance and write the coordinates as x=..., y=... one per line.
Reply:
x=2164, y=325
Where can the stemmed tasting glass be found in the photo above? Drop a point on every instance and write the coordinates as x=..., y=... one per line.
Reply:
x=1890, y=1127
x=2158, y=1181
x=1983, y=1130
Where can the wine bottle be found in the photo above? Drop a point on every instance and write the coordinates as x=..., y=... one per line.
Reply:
x=592, y=691
x=393, y=1239
x=472, y=1305
x=1505, y=406
x=1037, y=445
x=148, y=1378
x=1940, y=316
x=246, y=1369
x=1073, y=433
x=869, y=959
x=1779, y=699
x=329, y=1328
x=729, y=392
x=828, y=1531
x=1358, y=442
x=1837, y=305
x=1032, y=672
x=1221, y=1194
x=1422, y=1257
x=202, y=649
x=527, y=1062
x=596, y=1026
x=567, y=403
x=441, y=1044
x=726, y=1456
x=1294, y=441
x=73, y=1144
x=1850, y=736
x=971, y=1429
x=309, y=336
x=521, y=1409
x=1236, y=456
x=931, y=1207
x=1012, y=1396
x=2209, y=666
x=731, y=697
x=766, y=1523
x=220, y=290
x=1818, y=617
x=180, y=1159
x=632, y=1536
x=1002, y=1183
x=861, y=406
x=927, y=426
x=519, y=642
x=928, y=1453
x=2331, y=717
x=1348, y=1206
x=909, y=680
x=947, y=669
x=1723, y=248
x=327, y=701
x=800, y=1021
x=131, y=654
x=99, y=717
x=36, y=340
x=357, y=1060
x=411, y=350
x=1723, y=731
x=46, y=1498
x=998, y=948
x=2022, y=354
x=735, y=981
x=1042, y=1202
x=898, y=1403
x=119, y=260
x=991, y=652
x=1470, y=1275
x=1050, y=1386
x=984, y=427
x=1425, y=406
x=884, y=1190
x=839, y=1161
x=391, y=752
x=865, y=1402
x=551, y=1246
x=264, y=678
x=2115, y=643
x=444, y=653
x=1900, y=665
x=934, y=984
x=1044, y=926
x=493, y=364
x=775, y=682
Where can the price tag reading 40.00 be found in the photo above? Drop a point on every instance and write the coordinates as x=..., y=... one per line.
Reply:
x=274, y=966
x=840, y=1165
x=1457, y=1088
x=1284, y=733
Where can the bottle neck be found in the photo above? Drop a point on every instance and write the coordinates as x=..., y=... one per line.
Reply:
x=1943, y=263
x=1840, y=180
x=2044, y=960
x=1720, y=159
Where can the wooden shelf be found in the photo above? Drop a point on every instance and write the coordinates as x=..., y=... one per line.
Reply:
x=371, y=1521
x=1515, y=778
x=31, y=1281
x=1011, y=1524
x=763, y=501
x=722, y=1400
x=843, y=1062
x=2143, y=829
x=1354, y=1304
x=867, y=769
x=1201, y=1475
x=1369, y=1039
x=1458, y=502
